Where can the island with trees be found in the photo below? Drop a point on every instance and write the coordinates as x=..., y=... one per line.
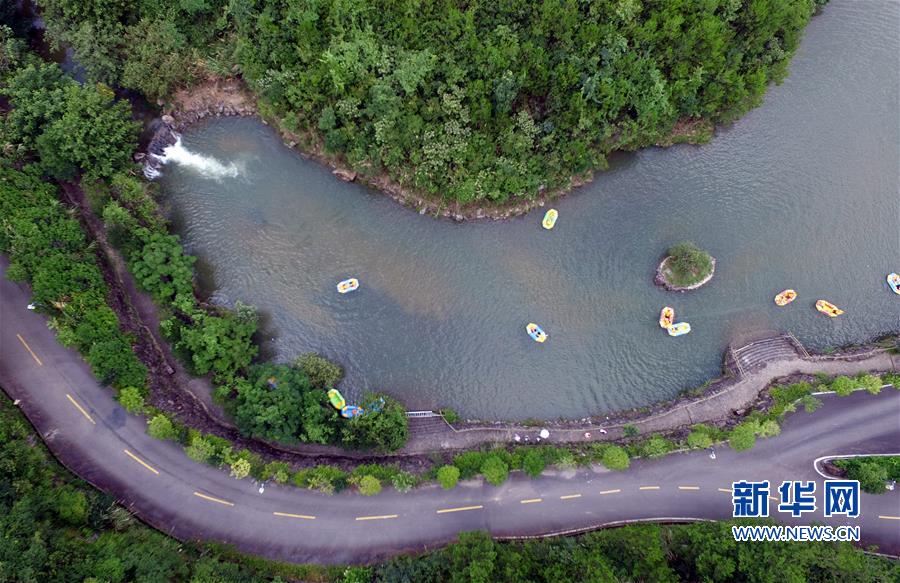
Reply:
x=685, y=267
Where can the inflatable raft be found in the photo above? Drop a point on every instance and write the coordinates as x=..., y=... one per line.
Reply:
x=828, y=309
x=535, y=332
x=785, y=297
x=679, y=329
x=348, y=285
x=550, y=219
x=336, y=399
x=894, y=281
x=351, y=411
x=666, y=317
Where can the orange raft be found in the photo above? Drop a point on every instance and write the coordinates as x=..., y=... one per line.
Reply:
x=785, y=297
x=828, y=309
x=666, y=317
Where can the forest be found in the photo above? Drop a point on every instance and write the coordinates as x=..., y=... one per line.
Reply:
x=54, y=527
x=479, y=102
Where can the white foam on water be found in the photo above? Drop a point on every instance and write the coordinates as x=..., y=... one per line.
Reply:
x=206, y=166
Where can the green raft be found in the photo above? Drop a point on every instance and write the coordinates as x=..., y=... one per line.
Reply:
x=337, y=399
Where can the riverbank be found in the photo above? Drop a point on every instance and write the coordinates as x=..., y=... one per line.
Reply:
x=229, y=97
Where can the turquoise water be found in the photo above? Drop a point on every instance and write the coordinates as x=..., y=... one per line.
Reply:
x=802, y=192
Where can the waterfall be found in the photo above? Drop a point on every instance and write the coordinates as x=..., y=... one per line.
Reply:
x=206, y=166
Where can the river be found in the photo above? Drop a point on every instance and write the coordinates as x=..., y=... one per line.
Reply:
x=802, y=192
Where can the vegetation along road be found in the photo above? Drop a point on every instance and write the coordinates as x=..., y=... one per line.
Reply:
x=94, y=436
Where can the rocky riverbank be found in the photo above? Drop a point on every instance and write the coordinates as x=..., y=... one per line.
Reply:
x=661, y=280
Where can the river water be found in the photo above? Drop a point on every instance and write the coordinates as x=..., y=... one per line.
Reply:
x=802, y=192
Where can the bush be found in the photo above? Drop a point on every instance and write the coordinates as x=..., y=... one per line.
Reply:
x=698, y=439
x=200, y=449
x=810, y=403
x=383, y=427
x=871, y=383
x=769, y=428
x=566, y=461
x=278, y=471
x=890, y=378
x=240, y=469
x=448, y=476
x=322, y=372
x=533, y=462
x=743, y=436
x=131, y=399
x=450, y=416
x=494, y=469
x=403, y=482
x=615, y=458
x=469, y=463
x=872, y=472
x=161, y=427
x=630, y=431
x=688, y=264
x=655, y=446
x=324, y=478
x=369, y=485
x=843, y=386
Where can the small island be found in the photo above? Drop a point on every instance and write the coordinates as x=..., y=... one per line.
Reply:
x=685, y=267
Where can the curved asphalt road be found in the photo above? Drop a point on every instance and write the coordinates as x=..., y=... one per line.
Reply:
x=94, y=437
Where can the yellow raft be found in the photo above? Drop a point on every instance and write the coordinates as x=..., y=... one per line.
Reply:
x=535, y=332
x=550, y=219
x=828, y=309
x=348, y=285
x=666, y=317
x=785, y=297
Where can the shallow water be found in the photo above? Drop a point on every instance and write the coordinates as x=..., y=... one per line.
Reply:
x=803, y=192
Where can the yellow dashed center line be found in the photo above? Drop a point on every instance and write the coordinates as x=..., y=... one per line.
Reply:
x=30, y=351
x=140, y=461
x=212, y=499
x=725, y=490
x=460, y=509
x=688, y=487
x=889, y=517
x=616, y=491
x=649, y=488
x=570, y=496
x=530, y=501
x=80, y=408
x=289, y=515
x=382, y=517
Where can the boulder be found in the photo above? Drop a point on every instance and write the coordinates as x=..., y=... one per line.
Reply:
x=168, y=119
x=344, y=174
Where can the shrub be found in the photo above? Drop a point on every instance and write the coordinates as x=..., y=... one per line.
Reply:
x=240, y=468
x=450, y=416
x=743, y=436
x=533, y=462
x=630, y=431
x=369, y=485
x=698, y=439
x=566, y=461
x=872, y=472
x=656, y=445
x=278, y=471
x=870, y=383
x=160, y=427
x=810, y=403
x=769, y=428
x=383, y=427
x=843, y=386
x=403, y=482
x=200, y=449
x=615, y=458
x=494, y=469
x=448, y=476
x=131, y=399
x=890, y=378
x=322, y=372
x=72, y=506
x=469, y=463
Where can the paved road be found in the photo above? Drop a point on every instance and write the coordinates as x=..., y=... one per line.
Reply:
x=95, y=438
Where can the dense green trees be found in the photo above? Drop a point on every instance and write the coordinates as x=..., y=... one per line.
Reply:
x=480, y=101
x=277, y=402
x=687, y=264
x=873, y=473
x=383, y=427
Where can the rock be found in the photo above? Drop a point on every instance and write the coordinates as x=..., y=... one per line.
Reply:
x=291, y=144
x=168, y=119
x=139, y=156
x=458, y=218
x=422, y=211
x=221, y=108
x=344, y=174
